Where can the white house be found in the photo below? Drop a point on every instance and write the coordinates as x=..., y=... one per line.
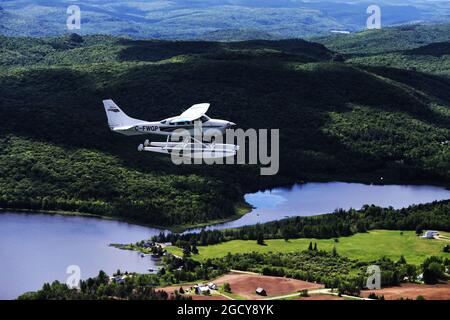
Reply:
x=430, y=234
x=119, y=278
x=212, y=286
x=201, y=289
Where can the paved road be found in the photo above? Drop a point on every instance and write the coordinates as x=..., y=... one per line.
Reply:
x=245, y=272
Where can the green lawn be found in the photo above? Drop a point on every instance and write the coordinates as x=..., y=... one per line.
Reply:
x=364, y=246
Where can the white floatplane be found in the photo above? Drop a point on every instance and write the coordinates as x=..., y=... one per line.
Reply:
x=188, y=123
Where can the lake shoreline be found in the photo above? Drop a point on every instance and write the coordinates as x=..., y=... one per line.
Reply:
x=241, y=208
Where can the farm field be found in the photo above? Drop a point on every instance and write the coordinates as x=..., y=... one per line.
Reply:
x=243, y=286
x=411, y=291
x=363, y=246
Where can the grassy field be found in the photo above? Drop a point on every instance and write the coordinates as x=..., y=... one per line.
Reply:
x=364, y=246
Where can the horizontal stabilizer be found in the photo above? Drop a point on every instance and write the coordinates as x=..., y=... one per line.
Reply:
x=125, y=128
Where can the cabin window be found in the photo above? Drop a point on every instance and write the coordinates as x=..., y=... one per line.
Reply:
x=204, y=118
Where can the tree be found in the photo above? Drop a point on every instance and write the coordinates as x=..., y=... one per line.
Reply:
x=260, y=239
x=74, y=37
x=286, y=234
x=419, y=230
x=402, y=260
x=315, y=246
x=194, y=249
x=102, y=277
x=373, y=296
x=349, y=287
x=181, y=290
x=334, y=251
x=310, y=247
x=411, y=272
x=433, y=273
x=433, y=270
x=187, y=251
x=304, y=293
x=226, y=287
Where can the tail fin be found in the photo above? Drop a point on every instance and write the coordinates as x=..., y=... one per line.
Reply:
x=116, y=117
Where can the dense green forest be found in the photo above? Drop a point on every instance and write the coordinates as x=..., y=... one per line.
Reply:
x=337, y=119
x=406, y=54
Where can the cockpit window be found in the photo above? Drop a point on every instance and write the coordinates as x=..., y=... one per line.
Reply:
x=163, y=122
x=204, y=118
x=181, y=123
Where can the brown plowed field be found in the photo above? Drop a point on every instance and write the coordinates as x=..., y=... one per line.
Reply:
x=411, y=291
x=245, y=285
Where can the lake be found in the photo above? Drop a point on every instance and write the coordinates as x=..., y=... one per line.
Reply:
x=317, y=198
x=38, y=248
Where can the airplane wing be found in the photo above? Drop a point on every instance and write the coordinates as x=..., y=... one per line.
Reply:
x=194, y=112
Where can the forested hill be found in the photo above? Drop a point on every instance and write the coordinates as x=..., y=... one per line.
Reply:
x=386, y=40
x=74, y=49
x=337, y=120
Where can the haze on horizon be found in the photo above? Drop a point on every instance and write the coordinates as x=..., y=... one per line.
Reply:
x=211, y=19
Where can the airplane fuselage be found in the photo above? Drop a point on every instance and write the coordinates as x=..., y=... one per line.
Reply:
x=166, y=128
x=190, y=120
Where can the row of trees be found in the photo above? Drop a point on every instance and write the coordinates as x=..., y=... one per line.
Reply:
x=341, y=223
x=133, y=287
x=335, y=271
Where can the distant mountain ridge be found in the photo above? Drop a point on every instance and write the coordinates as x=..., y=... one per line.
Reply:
x=211, y=19
x=390, y=39
x=237, y=35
